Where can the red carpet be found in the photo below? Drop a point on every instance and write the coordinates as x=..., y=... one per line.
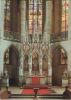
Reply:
x=43, y=91
x=40, y=92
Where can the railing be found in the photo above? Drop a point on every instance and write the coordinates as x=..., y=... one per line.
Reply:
x=56, y=37
x=13, y=36
x=42, y=97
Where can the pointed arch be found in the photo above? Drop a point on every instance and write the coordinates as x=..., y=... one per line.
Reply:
x=11, y=64
x=59, y=64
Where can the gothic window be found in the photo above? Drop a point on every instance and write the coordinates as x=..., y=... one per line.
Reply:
x=60, y=20
x=7, y=15
x=56, y=17
x=12, y=19
x=35, y=14
x=60, y=15
x=65, y=5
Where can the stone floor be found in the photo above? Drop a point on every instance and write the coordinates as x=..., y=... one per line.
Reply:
x=17, y=90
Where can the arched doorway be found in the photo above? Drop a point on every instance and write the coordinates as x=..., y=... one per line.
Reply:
x=35, y=63
x=59, y=65
x=11, y=65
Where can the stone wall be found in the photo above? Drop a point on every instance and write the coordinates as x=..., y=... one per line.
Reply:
x=4, y=44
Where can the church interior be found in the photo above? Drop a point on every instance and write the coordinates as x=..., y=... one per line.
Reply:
x=35, y=47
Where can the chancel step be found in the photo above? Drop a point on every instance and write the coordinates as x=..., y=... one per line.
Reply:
x=52, y=96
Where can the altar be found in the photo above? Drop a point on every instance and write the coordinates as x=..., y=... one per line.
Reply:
x=36, y=80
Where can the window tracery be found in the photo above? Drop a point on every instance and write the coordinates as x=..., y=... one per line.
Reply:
x=12, y=20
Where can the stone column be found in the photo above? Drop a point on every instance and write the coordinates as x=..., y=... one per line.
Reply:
x=49, y=69
x=21, y=74
x=69, y=67
x=30, y=63
x=21, y=61
x=23, y=21
x=48, y=30
x=0, y=18
x=40, y=63
x=2, y=4
x=69, y=37
x=48, y=23
x=69, y=43
x=69, y=21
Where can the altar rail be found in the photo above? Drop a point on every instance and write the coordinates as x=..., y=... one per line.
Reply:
x=52, y=96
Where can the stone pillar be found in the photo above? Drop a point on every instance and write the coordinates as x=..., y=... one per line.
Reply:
x=48, y=23
x=21, y=74
x=69, y=38
x=30, y=63
x=49, y=72
x=40, y=63
x=21, y=62
x=69, y=44
x=0, y=18
x=48, y=30
x=2, y=4
x=69, y=67
x=49, y=65
x=23, y=21
x=69, y=21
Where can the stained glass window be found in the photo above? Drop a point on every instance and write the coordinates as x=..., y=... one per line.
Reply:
x=35, y=16
x=65, y=5
x=7, y=15
x=12, y=19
